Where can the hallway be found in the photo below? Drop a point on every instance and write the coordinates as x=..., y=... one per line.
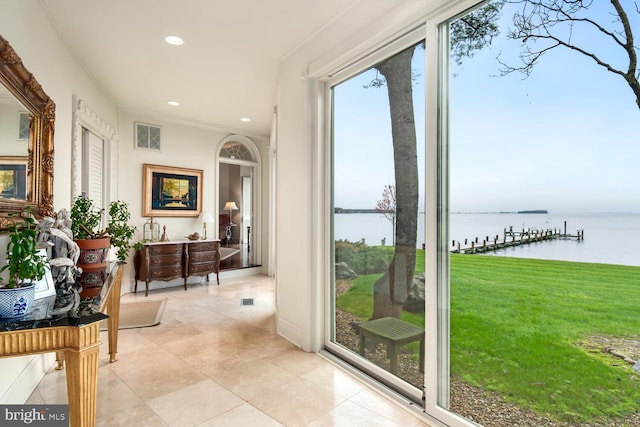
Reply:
x=215, y=362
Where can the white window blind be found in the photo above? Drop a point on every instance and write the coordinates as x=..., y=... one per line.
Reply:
x=93, y=167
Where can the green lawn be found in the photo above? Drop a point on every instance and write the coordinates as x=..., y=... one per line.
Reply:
x=516, y=323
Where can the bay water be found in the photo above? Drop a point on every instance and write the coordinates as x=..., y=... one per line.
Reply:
x=608, y=238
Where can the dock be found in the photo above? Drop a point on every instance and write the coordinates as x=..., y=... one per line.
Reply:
x=511, y=238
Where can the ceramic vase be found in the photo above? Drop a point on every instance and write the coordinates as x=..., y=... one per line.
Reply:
x=16, y=302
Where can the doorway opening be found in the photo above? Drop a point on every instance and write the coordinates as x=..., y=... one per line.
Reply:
x=238, y=195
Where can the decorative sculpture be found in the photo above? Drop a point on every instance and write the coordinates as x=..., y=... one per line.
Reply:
x=63, y=253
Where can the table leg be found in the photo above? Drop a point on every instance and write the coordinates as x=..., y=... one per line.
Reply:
x=113, y=310
x=362, y=344
x=59, y=360
x=217, y=258
x=82, y=377
x=392, y=352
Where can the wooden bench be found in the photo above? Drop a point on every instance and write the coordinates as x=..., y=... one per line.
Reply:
x=394, y=333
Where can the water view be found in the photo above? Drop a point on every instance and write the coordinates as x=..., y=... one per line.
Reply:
x=608, y=238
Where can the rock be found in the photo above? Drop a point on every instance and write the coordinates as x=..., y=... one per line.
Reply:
x=415, y=299
x=344, y=272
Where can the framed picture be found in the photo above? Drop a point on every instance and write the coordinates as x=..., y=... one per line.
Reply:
x=169, y=191
x=13, y=177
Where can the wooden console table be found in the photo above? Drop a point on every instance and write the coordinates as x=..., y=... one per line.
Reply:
x=80, y=345
x=176, y=259
x=76, y=341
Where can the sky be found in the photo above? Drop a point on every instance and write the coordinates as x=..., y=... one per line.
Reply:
x=566, y=139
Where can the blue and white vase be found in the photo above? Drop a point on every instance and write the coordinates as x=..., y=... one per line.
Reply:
x=16, y=302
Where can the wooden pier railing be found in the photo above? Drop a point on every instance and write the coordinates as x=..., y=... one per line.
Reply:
x=511, y=238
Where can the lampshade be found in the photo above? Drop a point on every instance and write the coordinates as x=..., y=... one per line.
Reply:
x=205, y=216
x=230, y=206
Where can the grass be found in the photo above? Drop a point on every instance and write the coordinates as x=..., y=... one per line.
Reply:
x=516, y=323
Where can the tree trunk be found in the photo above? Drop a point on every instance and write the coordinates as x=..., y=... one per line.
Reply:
x=391, y=290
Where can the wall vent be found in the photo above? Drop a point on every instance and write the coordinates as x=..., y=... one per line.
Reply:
x=148, y=137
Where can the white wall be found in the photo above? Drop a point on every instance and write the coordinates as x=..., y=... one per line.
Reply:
x=26, y=27
x=301, y=193
x=183, y=146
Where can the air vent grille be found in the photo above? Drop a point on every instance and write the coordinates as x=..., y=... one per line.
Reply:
x=148, y=137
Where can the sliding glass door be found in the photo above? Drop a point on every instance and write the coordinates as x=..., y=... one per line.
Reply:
x=377, y=290
x=544, y=215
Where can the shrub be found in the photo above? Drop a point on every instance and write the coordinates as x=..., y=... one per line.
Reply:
x=361, y=258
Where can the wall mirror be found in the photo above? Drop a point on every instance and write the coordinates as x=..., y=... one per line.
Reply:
x=27, y=118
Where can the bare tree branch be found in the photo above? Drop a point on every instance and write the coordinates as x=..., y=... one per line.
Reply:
x=541, y=23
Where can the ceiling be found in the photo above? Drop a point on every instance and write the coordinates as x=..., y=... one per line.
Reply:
x=225, y=70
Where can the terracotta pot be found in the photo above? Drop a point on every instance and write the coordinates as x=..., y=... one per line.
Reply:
x=93, y=262
x=93, y=252
x=90, y=292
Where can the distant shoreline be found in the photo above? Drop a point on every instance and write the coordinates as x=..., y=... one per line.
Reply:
x=534, y=211
x=348, y=211
x=364, y=211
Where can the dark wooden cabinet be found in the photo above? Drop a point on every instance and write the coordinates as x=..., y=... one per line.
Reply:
x=172, y=260
x=201, y=258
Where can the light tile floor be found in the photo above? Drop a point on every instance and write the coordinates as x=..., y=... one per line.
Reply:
x=214, y=362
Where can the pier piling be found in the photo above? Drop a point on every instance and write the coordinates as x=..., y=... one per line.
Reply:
x=513, y=238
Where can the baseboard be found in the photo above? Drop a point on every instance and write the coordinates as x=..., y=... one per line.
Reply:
x=29, y=371
x=289, y=331
x=239, y=272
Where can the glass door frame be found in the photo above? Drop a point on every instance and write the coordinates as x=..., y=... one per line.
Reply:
x=405, y=40
x=434, y=30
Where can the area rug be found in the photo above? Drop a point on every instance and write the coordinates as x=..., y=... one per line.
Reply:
x=227, y=253
x=139, y=314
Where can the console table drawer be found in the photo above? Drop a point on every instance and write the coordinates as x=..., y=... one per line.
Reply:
x=165, y=261
x=202, y=247
x=202, y=268
x=166, y=273
x=197, y=257
x=165, y=250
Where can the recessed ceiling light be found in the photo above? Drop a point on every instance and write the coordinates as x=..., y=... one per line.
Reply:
x=174, y=103
x=245, y=119
x=174, y=40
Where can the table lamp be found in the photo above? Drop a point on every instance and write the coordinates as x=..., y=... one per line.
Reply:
x=205, y=217
x=230, y=206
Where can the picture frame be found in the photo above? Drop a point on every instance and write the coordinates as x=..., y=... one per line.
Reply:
x=13, y=177
x=171, y=191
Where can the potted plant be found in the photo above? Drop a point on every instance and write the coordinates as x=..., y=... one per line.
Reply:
x=95, y=241
x=25, y=266
x=119, y=229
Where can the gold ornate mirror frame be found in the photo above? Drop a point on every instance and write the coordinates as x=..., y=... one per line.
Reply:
x=24, y=86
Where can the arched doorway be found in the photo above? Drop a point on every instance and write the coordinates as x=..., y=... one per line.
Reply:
x=238, y=202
